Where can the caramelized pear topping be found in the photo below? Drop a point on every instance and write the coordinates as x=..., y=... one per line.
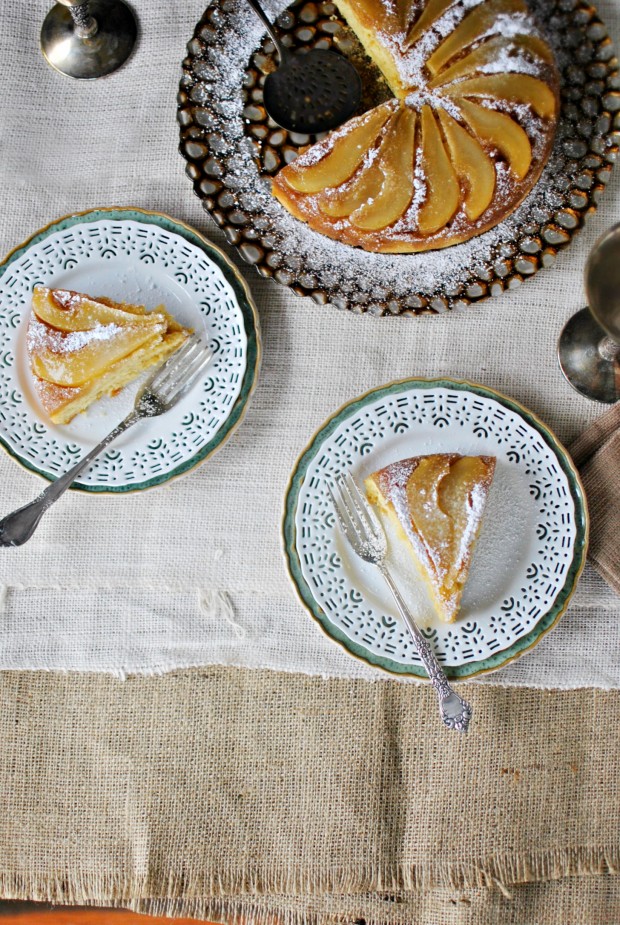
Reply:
x=473, y=27
x=516, y=88
x=72, y=311
x=488, y=52
x=364, y=185
x=443, y=194
x=343, y=159
x=431, y=12
x=456, y=499
x=65, y=360
x=396, y=166
x=474, y=167
x=502, y=132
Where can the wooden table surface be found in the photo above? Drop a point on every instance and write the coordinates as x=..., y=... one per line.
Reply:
x=22, y=913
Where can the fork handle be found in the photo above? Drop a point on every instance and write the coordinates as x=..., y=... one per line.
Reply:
x=455, y=712
x=18, y=527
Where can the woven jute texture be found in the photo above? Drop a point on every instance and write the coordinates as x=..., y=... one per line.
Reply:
x=192, y=791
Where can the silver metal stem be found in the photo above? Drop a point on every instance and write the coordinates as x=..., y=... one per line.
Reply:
x=281, y=49
x=609, y=349
x=85, y=24
x=455, y=712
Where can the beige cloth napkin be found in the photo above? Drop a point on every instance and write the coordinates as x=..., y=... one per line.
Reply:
x=597, y=454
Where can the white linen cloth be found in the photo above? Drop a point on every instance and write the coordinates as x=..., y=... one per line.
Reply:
x=192, y=573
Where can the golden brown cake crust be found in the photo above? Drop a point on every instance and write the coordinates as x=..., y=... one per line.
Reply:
x=483, y=128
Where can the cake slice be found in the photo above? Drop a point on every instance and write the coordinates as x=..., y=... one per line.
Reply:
x=436, y=503
x=81, y=348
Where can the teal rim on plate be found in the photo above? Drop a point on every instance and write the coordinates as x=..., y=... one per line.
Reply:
x=241, y=295
x=498, y=658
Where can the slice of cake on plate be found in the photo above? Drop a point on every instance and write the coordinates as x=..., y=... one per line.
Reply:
x=437, y=503
x=81, y=348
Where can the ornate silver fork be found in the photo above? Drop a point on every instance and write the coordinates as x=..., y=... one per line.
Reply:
x=366, y=535
x=161, y=391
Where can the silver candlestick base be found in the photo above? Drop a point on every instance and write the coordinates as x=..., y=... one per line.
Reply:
x=589, y=345
x=88, y=39
x=590, y=359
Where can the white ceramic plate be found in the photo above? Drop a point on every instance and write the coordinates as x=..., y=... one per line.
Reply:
x=142, y=258
x=530, y=551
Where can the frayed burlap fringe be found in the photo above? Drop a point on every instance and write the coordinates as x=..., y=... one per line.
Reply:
x=575, y=901
x=498, y=873
x=591, y=900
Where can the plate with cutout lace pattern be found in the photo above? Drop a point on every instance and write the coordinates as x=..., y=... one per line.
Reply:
x=147, y=259
x=530, y=552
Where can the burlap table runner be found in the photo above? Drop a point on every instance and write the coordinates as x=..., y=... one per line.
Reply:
x=191, y=792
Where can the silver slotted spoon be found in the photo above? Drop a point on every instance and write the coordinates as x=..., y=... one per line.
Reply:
x=312, y=91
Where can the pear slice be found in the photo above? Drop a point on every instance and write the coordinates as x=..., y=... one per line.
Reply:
x=72, y=311
x=344, y=157
x=365, y=184
x=516, y=88
x=502, y=132
x=430, y=14
x=404, y=12
x=473, y=166
x=490, y=51
x=482, y=18
x=79, y=356
x=396, y=165
x=457, y=499
x=443, y=194
x=433, y=525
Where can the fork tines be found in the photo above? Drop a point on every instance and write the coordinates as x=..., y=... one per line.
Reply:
x=358, y=521
x=181, y=369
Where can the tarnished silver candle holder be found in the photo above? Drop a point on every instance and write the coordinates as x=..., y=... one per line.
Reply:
x=87, y=39
x=589, y=346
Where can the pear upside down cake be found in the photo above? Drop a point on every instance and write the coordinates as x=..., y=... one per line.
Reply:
x=466, y=137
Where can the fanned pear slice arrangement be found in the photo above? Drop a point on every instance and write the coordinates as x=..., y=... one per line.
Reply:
x=82, y=348
x=470, y=128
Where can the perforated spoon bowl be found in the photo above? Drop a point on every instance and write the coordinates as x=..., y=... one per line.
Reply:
x=311, y=91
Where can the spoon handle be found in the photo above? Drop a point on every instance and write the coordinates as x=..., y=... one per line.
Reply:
x=280, y=48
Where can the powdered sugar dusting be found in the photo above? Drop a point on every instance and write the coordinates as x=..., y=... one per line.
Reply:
x=507, y=61
x=43, y=336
